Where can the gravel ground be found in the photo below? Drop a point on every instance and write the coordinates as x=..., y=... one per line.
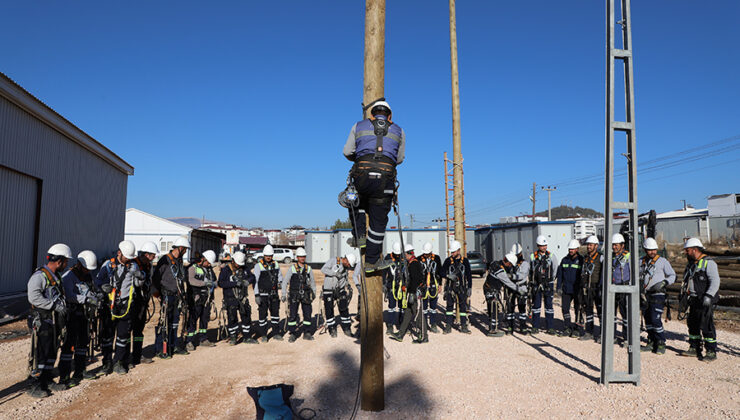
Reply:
x=454, y=376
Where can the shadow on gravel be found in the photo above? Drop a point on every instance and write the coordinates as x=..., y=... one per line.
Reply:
x=14, y=391
x=542, y=345
x=335, y=395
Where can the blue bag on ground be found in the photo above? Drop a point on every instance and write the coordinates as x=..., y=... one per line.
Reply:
x=273, y=401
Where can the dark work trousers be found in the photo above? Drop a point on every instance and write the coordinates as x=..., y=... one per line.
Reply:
x=462, y=301
x=540, y=295
x=198, y=319
x=342, y=304
x=394, y=308
x=701, y=321
x=107, y=332
x=653, y=314
x=412, y=314
x=293, y=319
x=46, y=351
x=376, y=195
x=166, y=340
x=75, y=344
x=236, y=312
x=516, y=302
x=565, y=302
x=429, y=306
x=593, y=300
x=271, y=304
x=138, y=321
x=123, y=339
x=493, y=308
x=620, y=305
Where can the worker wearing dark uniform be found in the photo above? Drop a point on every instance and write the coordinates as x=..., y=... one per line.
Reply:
x=337, y=289
x=202, y=279
x=78, y=293
x=432, y=268
x=414, y=286
x=47, y=319
x=119, y=277
x=458, y=287
x=591, y=282
x=703, y=281
x=302, y=292
x=392, y=282
x=169, y=280
x=235, y=279
x=375, y=145
x=621, y=274
x=569, y=277
x=521, y=280
x=542, y=285
x=656, y=274
x=140, y=307
x=269, y=283
x=499, y=275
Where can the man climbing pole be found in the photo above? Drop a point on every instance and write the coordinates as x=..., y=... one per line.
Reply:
x=376, y=145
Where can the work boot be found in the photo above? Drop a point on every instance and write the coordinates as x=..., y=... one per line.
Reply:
x=660, y=349
x=710, y=356
x=357, y=242
x=232, y=341
x=575, y=333
x=162, y=355
x=181, y=351
x=264, y=339
x=389, y=329
x=551, y=331
x=523, y=331
x=420, y=341
x=308, y=336
x=333, y=332
x=397, y=336
x=508, y=330
x=464, y=329
x=39, y=391
x=278, y=337
x=119, y=368
x=249, y=340
x=347, y=331
x=63, y=385
x=292, y=338
x=107, y=368
x=190, y=347
x=74, y=381
x=379, y=265
x=495, y=333
x=146, y=360
x=433, y=328
x=534, y=330
x=206, y=343
x=566, y=332
x=647, y=347
x=448, y=329
x=691, y=352
x=585, y=337
x=90, y=375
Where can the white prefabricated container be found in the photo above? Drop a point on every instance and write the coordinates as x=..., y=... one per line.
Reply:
x=496, y=240
x=318, y=246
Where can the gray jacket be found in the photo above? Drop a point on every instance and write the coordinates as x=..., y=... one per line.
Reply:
x=712, y=274
x=653, y=273
x=336, y=276
x=292, y=271
x=76, y=291
x=121, y=276
x=41, y=293
x=521, y=275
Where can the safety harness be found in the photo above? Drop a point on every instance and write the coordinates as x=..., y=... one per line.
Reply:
x=115, y=294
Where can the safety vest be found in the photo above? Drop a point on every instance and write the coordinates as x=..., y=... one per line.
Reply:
x=299, y=278
x=697, y=274
x=268, y=281
x=365, y=140
x=429, y=265
x=621, y=274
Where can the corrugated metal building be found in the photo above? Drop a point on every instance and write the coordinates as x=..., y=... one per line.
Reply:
x=57, y=184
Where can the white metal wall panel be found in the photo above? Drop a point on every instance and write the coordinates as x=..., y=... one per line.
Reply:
x=18, y=194
x=318, y=247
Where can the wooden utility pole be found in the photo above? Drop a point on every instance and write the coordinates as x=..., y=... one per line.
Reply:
x=534, y=198
x=456, y=144
x=372, y=380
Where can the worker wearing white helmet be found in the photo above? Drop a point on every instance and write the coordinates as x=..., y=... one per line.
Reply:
x=376, y=145
x=543, y=266
x=431, y=266
x=656, y=274
x=169, y=283
x=393, y=288
x=140, y=306
x=118, y=278
x=301, y=290
x=458, y=287
x=701, y=284
x=337, y=289
x=78, y=291
x=500, y=277
x=414, y=288
x=48, y=309
x=234, y=279
x=621, y=274
x=591, y=282
x=569, y=277
x=269, y=284
x=201, y=280
x=521, y=279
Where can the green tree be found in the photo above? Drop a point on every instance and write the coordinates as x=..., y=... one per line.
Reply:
x=341, y=224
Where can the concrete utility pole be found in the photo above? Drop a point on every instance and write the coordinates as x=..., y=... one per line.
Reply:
x=372, y=380
x=549, y=205
x=533, y=198
x=456, y=144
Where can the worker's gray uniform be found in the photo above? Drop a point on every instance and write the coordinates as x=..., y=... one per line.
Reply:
x=336, y=288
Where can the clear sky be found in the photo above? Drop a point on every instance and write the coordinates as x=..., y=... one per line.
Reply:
x=239, y=110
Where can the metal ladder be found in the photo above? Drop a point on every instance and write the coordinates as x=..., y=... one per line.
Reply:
x=632, y=290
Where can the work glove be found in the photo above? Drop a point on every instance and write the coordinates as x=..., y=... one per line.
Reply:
x=92, y=300
x=522, y=290
x=106, y=288
x=209, y=283
x=707, y=301
x=470, y=292
x=60, y=308
x=283, y=298
x=139, y=278
x=659, y=286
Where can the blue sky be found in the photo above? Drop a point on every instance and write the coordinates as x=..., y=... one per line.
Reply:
x=238, y=110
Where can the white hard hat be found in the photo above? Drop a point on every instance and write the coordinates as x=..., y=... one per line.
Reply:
x=455, y=246
x=60, y=250
x=300, y=252
x=574, y=244
x=408, y=248
x=397, y=248
x=381, y=103
x=693, y=243
x=128, y=249
x=592, y=240
x=617, y=238
x=88, y=260
x=149, y=248
x=239, y=258
x=210, y=256
x=516, y=249
x=541, y=240
x=351, y=259
x=511, y=258
x=650, y=244
x=427, y=248
x=267, y=251
x=181, y=242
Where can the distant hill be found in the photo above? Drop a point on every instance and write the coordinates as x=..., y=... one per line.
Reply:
x=192, y=222
x=562, y=212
